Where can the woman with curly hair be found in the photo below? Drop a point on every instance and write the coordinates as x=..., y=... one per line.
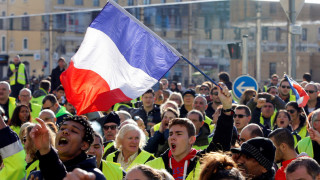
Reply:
x=218, y=166
x=21, y=115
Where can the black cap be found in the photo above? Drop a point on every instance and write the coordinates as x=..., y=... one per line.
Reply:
x=189, y=91
x=111, y=117
x=261, y=149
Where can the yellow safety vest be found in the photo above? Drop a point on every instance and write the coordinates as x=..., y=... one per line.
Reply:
x=202, y=147
x=159, y=164
x=21, y=77
x=12, y=106
x=16, y=129
x=305, y=145
x=111, y=170
x=303, y=131
x=271, y=119
x=33, y=167
x=108, y=146
x=36, y=109
x=14, y=166
x=142, y=158
x=209, y=122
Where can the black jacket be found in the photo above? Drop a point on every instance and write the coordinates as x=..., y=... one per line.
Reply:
x=266, y=176
x=55, y=77
x=51, y=167
x=152, y=116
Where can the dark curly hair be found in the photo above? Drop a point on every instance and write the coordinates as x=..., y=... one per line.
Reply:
x=15, y=120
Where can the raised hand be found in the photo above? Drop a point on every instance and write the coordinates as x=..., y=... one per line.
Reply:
x=40, y=137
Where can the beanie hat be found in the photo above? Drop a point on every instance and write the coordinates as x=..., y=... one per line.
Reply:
x=189, y=91
x=259, y=148
x=111, y=117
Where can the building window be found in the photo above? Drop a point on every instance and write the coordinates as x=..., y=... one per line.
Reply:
x=163, y=1
x=208, y=53
x=237, y=33
x=272, y=68
x=265, y=33
x=25, y=21
x=130, y=2
x=25, y=43
x=78, y=2
x=96, y=3
x=60, y=1
x=3, y=43
x=278, y=34
x=304, y=34
x=146, y=1
x=273, y=8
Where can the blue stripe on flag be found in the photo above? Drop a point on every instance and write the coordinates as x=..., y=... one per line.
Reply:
x=140, y=48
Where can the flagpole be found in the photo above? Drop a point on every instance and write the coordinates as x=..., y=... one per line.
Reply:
x=308, y=123
x=200, y=71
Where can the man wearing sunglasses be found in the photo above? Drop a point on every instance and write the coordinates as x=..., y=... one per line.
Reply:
x=241, y=117
x=285, y=91
x=111, y=124
x=51, y=102
x=314, y=101
x=213, y=105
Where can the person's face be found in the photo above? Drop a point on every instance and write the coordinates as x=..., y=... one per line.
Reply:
x=47, y=117
x=273, y=91
x=200, y=104
x=215, y=116
x=196, y=122
x=215, y=97
x=204, y=90
x=282, y=120
x=130, y=142
x=244, y=136
x=172, y=86
x=241, y=119
x=69, y=141
x=141, y=124
x=316, y=123
x=294, y=114
x=300, y=173
x=49, y=105
x=249, y=167
x=167, y=117
x=284, y=88
x=274, y=81
x=179, y=141
x=136, y=175
x=311, y=90
x=16, y=60
x=147, y=100
x=25, y=97
x=96, y=149
x=267, y=110
x=60, y=93
x=188, y=99
x=70, y=108
x=4, y=91
x=164, y=84
x=279, y=154
x=176, y=99
x=110, y=131
x=61, y=64
x=24, y=114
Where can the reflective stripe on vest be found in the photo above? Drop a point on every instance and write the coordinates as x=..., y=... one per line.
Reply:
x=202, y=147
x=111, y=170
x=21, y=77
x=305, y=145
x=142, y=157
x=156, y=127
x=271, y=119
x=33, y=167
x=116, y=106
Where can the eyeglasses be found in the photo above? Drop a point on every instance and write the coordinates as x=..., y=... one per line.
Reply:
x=204, y=89
x=291, y=111
x=268, y=106
x=215, y=93
x=112, y=127
x=47, y=107
x=310, y=91
x=239, y=115
x=283, y=87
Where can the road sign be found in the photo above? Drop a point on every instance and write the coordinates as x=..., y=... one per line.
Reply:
x=242, y=83
x=298, y=4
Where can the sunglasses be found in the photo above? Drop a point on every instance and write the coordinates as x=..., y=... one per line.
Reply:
x=239, y=115
x=283, y=87
x=112, y=127
x=310, y=91
x=215, y=93
x=291, y=111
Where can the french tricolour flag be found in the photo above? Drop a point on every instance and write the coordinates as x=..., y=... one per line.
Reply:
x=118, y=60
x=301, y=96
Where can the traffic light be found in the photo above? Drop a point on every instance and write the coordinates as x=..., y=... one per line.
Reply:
x=234, y=50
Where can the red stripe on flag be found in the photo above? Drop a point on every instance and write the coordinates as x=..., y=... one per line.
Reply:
x=87, y=91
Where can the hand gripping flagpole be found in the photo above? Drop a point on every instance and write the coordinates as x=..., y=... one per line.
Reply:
x=201, y=72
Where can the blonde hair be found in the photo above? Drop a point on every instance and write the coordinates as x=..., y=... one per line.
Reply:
x=123, y=131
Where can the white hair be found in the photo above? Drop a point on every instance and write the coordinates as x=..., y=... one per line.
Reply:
x=124, y=130
x=25, y=89
x=125, y=113
x=48, y=111
x=7, y=84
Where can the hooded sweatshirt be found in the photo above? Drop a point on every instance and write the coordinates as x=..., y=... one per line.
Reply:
x=179, y=169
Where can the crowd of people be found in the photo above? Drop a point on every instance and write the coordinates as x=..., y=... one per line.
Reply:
x=201, y=132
